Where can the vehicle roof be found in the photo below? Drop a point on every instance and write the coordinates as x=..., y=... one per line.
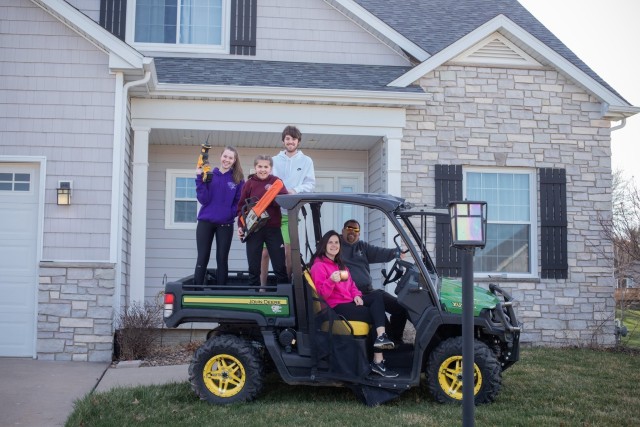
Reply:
x=385, y=202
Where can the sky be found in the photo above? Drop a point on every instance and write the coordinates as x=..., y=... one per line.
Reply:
x=606, y=36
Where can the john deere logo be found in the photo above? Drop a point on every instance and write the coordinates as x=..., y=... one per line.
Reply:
x=269, y=306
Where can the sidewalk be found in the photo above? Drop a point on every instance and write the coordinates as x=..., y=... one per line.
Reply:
x=42, y=393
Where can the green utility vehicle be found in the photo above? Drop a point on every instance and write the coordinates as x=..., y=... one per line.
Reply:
x=288, y=327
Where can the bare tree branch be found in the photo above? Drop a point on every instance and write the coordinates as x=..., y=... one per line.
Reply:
x=622, y=229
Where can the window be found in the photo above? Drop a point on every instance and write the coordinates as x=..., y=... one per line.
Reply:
x=181, y=205
x=172, y=24
x=15, y=181
x=511, y=224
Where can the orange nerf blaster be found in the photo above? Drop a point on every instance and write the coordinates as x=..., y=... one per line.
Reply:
x=253, y=215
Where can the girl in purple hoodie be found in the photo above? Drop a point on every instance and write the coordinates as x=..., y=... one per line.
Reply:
x=219, y=199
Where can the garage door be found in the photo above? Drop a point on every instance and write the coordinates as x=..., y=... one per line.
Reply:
x=18, y=257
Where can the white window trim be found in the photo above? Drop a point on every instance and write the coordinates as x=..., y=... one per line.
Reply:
x=170, y=186
x=534, y=237
x=223, y=48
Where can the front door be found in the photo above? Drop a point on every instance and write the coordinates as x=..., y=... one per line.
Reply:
x=333, y=217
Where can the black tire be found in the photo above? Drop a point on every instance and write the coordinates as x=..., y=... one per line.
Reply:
x=226, y=369
x=444, y=372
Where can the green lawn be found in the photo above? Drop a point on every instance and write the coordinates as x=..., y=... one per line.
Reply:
x=632, y=322
x=547, y=387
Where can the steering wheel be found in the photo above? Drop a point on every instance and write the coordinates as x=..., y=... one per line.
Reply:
x=394, y=274
x=397, y=270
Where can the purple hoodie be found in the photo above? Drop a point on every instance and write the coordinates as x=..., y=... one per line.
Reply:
x=219, y=197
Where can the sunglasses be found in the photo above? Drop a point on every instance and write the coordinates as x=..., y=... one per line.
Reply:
x=354, y=229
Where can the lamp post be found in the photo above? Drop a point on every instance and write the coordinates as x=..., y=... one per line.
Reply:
x=468, y=231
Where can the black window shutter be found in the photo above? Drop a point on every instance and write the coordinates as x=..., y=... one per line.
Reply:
x=553, y=223
x=448, y=188
x=113, y=17
x=243, y=27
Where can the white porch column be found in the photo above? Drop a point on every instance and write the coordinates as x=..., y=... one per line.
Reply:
x=139, y=213
x=393, y=145
x=393, y=151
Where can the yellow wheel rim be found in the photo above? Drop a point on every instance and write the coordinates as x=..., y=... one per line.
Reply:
x=450, y=377
x=224, y=375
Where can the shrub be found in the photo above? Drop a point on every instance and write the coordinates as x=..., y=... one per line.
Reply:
x=137, y=324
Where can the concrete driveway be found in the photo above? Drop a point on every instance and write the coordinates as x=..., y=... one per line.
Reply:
x=38, y=393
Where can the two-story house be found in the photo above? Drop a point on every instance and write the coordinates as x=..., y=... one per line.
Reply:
x=108, y=101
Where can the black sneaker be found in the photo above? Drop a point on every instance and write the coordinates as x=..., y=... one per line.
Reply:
x=383, y=343
x=381, y=369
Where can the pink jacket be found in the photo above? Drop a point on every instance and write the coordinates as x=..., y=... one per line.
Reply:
x=332, y=292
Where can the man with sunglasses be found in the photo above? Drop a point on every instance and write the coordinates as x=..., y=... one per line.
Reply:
x=358, y=255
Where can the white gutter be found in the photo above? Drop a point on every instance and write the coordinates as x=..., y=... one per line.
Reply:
x=117, y=179
x=266, y=93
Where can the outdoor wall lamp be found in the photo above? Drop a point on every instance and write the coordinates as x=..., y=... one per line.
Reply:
x=64, y=192
x=468, y=231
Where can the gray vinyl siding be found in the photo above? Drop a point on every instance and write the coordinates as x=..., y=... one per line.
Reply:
x=313, y=31
x=56, y=100
x=376, y=184
x=173, y=252
x=125, y=262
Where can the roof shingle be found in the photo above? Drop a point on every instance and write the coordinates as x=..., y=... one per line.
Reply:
x=240, y=72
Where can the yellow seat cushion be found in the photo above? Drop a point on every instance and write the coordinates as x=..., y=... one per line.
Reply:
x=354, y=327
x=358, y=328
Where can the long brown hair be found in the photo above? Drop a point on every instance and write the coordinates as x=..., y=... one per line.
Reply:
x=238, y=174
x=322, y=249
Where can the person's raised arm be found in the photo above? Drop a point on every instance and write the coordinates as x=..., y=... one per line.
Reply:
x=377, y=254
x=202, y=189
x=323, y=279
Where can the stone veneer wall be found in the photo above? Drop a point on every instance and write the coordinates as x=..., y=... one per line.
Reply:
x=532, y=119
x=75, y=311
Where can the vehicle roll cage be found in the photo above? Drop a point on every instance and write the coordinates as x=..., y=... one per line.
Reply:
x=399, y=212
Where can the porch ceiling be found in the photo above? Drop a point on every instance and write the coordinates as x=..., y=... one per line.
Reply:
x=259, y=139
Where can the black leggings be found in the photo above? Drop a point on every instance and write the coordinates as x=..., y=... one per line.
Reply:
x=205, y=232
x=372, y=311
x=272, y=238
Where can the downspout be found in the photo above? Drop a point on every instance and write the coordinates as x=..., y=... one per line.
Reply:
x=622, y=124
x=117, y=179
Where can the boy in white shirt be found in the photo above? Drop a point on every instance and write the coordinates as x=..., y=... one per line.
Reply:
x=296, y=172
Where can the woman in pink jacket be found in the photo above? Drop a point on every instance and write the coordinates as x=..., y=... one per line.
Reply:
x=333, y=283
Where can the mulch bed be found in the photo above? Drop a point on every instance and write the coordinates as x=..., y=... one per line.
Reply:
x=170, y=355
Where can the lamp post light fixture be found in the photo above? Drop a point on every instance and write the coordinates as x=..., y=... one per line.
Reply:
x=64, y=192
x=468, y=224
x=468, y=232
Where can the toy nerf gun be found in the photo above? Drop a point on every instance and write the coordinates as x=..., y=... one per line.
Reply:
x=253, y=215
x=203, y=161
